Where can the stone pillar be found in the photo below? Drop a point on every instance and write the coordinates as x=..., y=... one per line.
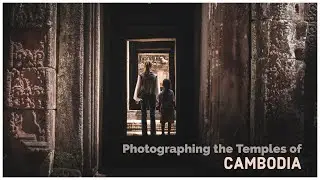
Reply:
x=30, y=96
x=224, y=73
x=277, y=74
x=78, y=90
x=203, y=74
x=69, y=140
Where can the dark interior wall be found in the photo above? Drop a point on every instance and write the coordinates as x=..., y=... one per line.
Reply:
x=225, y=74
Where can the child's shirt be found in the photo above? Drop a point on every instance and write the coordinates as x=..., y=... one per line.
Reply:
x=166, y=99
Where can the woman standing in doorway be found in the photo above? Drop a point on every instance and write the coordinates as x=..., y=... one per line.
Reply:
x=146, y=91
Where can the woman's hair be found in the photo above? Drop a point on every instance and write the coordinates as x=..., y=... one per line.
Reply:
x=147, y=66
x=166, y=84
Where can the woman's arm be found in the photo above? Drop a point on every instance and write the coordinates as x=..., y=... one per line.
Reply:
x=137, y=89
x=157, y=88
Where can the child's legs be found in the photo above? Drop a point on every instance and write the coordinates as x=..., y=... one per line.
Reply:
x=163, y=124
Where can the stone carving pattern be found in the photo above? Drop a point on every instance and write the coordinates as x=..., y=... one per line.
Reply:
x=311, y=48
x=22, y=57
x=32, y=42
x=27, y=88
x=312, y=13
x=27, y=15
x=282, y=78
x=312, y=28
x=16, y=124
x=17, y=129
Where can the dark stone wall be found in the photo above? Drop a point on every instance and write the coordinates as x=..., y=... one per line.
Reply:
x=278, y=38
x=258, y=76
x=224, y=73
x=29, y=93
x=252, y=73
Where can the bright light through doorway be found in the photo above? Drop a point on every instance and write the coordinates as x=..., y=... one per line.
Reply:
x=160, y=65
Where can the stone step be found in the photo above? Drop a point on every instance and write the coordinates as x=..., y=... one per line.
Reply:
x=31, y=137
x=35, y=146
x=136, y=125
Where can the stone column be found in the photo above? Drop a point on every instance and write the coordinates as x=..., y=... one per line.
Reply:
x=224, y=73
x=69, y=139
x=278, y=36
x=78, y=90
x=30, y=96
x=203, y=115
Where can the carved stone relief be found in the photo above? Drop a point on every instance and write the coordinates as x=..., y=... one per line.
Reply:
x=28, y=123
x=311, y=13
x=30, y=88
x=24, y=57
x=31, y=77
x=27, y=15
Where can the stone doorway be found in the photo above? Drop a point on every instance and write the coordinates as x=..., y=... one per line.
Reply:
x=161, y=52
x=155, y=32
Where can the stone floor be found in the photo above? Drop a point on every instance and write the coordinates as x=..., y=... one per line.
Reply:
x=134, y=127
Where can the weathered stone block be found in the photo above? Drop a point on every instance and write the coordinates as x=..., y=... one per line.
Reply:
x=253, y=11
x=32, y=36
x=282, y=39
x=254, y=53
x=31, y=125
x=262, y=35
x=26, y=15
x=301, y=30
x=29, y=49
x=31, y=88
x=283, y=96
x=217, y=43
x=261, y=11
x=299, y=54
x=217, y=12
x=22, y=57
x=311, y=12
x=311, y=40
x=283, y=77
x=273, y=11
x=282, y=11
x=298, y=11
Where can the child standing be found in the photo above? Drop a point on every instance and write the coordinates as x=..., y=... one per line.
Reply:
x=166, y=105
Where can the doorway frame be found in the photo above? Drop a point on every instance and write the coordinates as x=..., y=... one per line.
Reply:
x=151, y=50
x=101, y=45
x=159, y=45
